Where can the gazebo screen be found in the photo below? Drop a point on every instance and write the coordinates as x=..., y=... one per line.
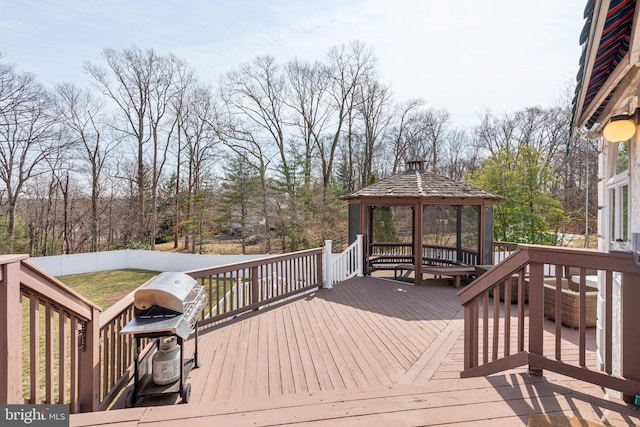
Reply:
x=439, y=224
x=451, y=233
x=470, y=238
x=392, y=224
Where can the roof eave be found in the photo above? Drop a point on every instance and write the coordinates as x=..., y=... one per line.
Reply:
x=618, y=92
x=593, y=42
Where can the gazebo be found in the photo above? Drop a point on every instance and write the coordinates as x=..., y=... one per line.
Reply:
x=422, y=221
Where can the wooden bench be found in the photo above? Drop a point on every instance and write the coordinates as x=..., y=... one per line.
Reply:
x=388, y=262
x=402, y=267
x=456, y=271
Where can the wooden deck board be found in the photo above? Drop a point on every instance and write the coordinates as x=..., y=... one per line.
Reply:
x=389, y=355
x=285, y=366
x=396, y=336
x=434, y=356
x=321, y=350
x=343, y=376
x=369, y=358
x=263, y=375
x=227, y=367
x=348, y=355
x=268, y=327
x=297, y=371
x=369, y=351
x=250, y=357
x=205, y=386
x=309, y=334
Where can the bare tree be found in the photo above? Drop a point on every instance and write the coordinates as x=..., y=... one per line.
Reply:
x=27, y=136
x=349, y=66
x=145, y=86
x=242, y=137
x=38, y=211
x=309, y=97
x=82, y=115
x=257, y=91
x=405, y=133
x=172, y=79
x=134, y=71
x=458, y=155
x=494, y=134
x=435, y=134
x=9, y=87
x=374, y=109
x=200, y=141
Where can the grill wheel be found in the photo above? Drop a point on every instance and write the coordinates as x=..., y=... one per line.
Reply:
x=186, y=393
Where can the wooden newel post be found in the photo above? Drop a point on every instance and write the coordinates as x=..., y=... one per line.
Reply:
x=630, y=322
x=89, y=383
x=10, y=337
x=322, y=275
x=536, y=313
x=255, y=286
x=471, y=334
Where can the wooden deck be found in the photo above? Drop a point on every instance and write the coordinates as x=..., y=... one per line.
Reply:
x=370, y=351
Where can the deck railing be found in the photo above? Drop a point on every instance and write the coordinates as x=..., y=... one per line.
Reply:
x=116, y=350
x=504, y=335
x=347, y=264
x=74, y=354
x=431, y=254
x=59, y=329
x=501, y=250
x=237, y=288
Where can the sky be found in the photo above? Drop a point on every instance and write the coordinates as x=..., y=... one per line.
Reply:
x=465, y=56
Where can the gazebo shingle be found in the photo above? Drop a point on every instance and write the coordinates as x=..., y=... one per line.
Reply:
x=421, y=183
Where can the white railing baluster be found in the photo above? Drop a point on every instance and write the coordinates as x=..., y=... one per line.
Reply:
x=348, y=264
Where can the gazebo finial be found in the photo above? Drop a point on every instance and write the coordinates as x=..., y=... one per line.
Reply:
x=415, y=165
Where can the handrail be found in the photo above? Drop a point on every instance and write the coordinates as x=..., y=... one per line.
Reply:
x=536, y=282
x=51, y=288
x=497, y=274
x=348, y=263
x=60, y=368
x=253, y=284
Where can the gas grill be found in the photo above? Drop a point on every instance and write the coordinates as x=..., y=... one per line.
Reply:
x=168, y=305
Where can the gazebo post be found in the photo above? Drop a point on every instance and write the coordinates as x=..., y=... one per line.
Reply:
x=459, y=232
x=417, y=242
x=481, y=233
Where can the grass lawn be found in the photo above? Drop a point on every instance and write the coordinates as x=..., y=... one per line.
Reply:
x=105, y=288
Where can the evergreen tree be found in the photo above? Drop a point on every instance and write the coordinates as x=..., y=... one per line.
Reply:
x=384, y=225
x=240, y=189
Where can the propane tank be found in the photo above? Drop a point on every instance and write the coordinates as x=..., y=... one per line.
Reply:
x=166, y=362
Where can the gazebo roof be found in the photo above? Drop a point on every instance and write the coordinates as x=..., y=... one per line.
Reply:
x=416, y=182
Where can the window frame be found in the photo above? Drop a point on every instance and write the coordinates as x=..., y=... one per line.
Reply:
x=618, y=222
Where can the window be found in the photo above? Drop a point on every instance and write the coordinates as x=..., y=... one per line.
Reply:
x=618, y=188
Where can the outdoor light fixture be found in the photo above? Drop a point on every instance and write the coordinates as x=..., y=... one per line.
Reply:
x=619, y=128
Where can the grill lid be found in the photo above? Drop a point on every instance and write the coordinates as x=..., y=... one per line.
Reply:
x=168, y=303
x=170, y=290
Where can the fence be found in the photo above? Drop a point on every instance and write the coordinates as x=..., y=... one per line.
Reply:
x=62, y=265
